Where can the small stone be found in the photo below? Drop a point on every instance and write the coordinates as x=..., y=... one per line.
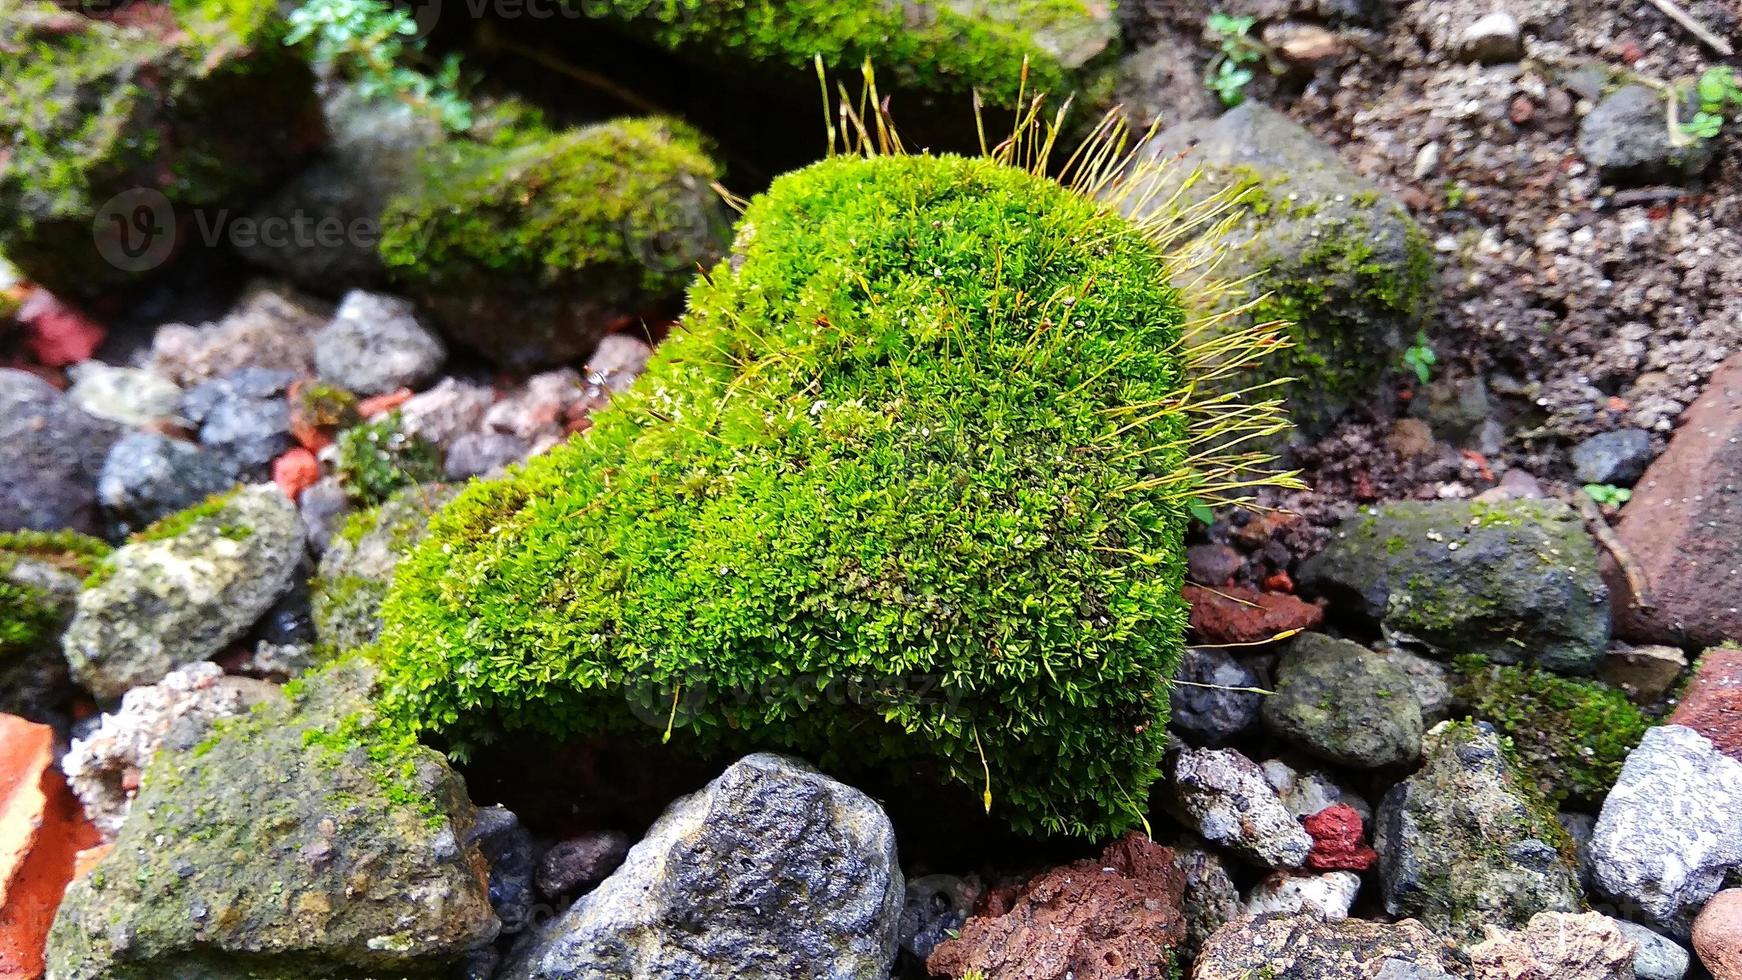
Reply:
x=1412, y=438
x=1670, y=832
x=1222, y=795
x=1626, y=139
x=358, y=565
x=1240, y=615
x=324, y=507
x=53, y=453
x=243, y=418
x=1327, y=895
x=41, y=832
x=1344, y=703
x=1164, y=80
x=1213, y=564
x=1307, y=947
x=1556, y=946
x=375, y=344
x=1429, y=679
x=1307, y=793
x=1494, y=38
x=508, y=848
x=296, y=471
x=1646, y=673
x=481, y=453
x=55, y=334
x=447, y=411
x=1339, y=840
x=269, y=328
x=148, y=476
x=128, y=396
x=538, y=410
x=1304, y=44
x=1210, y=896
x=1659, y=957
x=937, y=905
x=1712, y=702
x=1115, y=918
x=1215, y=697
x=1718, y=935
x=1617, y=457
x=581, y=862
x=619, y=360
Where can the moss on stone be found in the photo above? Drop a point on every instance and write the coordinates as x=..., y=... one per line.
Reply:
x=882, y=500
x=1570, y=736
x=530, y=249
x=90, y=109
x=29, y=615
x=379, y=458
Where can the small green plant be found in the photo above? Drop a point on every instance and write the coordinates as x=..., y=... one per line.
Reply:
x=378, y=458
x=1230, y=70
x=1420, y=358
x=1456, y=194
x=375, y=45
x=1718, y=93
x=1607, y=494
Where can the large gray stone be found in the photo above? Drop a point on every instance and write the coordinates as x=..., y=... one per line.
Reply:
x=1513, y=581
x=161, y=602
x=1223, y=796
x=1671, y=829
x=1462, y=844
x=771, y=870
x=1344, y=703
x=50, y=454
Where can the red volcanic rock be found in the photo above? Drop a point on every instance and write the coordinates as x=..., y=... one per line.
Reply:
x=296, y=471
x=1712, y=703
x=1680, y=527
x=1117, y=917
x=56, y=334
x=1338, y=841
x=42, y=830
x=382, y=404
x=1240, y=615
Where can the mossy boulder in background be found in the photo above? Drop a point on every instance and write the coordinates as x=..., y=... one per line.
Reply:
x=1335, y=256
x=207, y=111
x=935, y=48
x=298, y=841
x=40, y=574
x=1571, y=736
x=183, y=589
x=530, y=249
x=896, y=496
x=1514, y=581
x=358, y=565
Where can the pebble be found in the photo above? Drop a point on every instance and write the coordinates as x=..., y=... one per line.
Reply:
x=1646, y=673
x=1659, y=957
x=376, y=344
x=1218, y=700
x=1718, y=935
x=129, y=396
x=243, y=418
x=1329, y=895
x=936, y=907
x=480, y=453
x=148, y=476
x=1222, y=795
x=53, y=453
x=1617, y=457
x=581, y=862
x=1213, y=564
x=1494, y=38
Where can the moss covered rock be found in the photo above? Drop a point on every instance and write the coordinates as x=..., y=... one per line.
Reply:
x=531, y=248
x=358, y=565
x=1570, y=735
x=1513, y=581
x=896, y=497
x=183, y=589
x=936, y=47
x=300, y=841
x=1343, y=702
x=1328, y=251
x=40, y=573
x=206, y=110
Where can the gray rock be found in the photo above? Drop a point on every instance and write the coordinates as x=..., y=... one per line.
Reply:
x=1646, y=673
x=1344, y=703
x=619, y=359
x=1462, y=845
x=270, y=327
x=1306, y=947
x=1164, y=80
x=127, y=396
x=148, y=476
x=1428, y=678
x=1223, y=710
x=359, y=561
x=1329, y=895
x=1579, y=828
x=1671, y=829
x=332, y=210
x=174, y=600
x=1213, y=564
x=37, y=595
x=375, y=345
x=1211, y=900
x=937, y=905
x=1617, y=457
x=1306, y=793
x=479, y=453
x=1627, y=139
x=581, y=862
x=50, y=454
x=1659, y=957
x=773, y=870
x=1494, y=38
x=1339, y=258
x=304, y=840
x=508, y=848
x=243, y=418
x=324, y=509
x=1223, y=797
x=1513, y=580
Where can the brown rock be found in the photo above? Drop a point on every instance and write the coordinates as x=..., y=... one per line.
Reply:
x=1712, y=703
x=1718, y=935
x=1556, y=946
x=1118, y=917
x=1305, y=947
x=1646, y=673
x=42, y=830
x=1681, y=526
x=1305, y=45
x=1239, y=615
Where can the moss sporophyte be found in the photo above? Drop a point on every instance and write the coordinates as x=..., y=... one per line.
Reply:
x=906, y=492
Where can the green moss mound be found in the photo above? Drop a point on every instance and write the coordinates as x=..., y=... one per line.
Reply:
x=1570, y=736
x=90, y=110
x=891, y=498
x=530, y=248
x=922, y=45
x=30, y=615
